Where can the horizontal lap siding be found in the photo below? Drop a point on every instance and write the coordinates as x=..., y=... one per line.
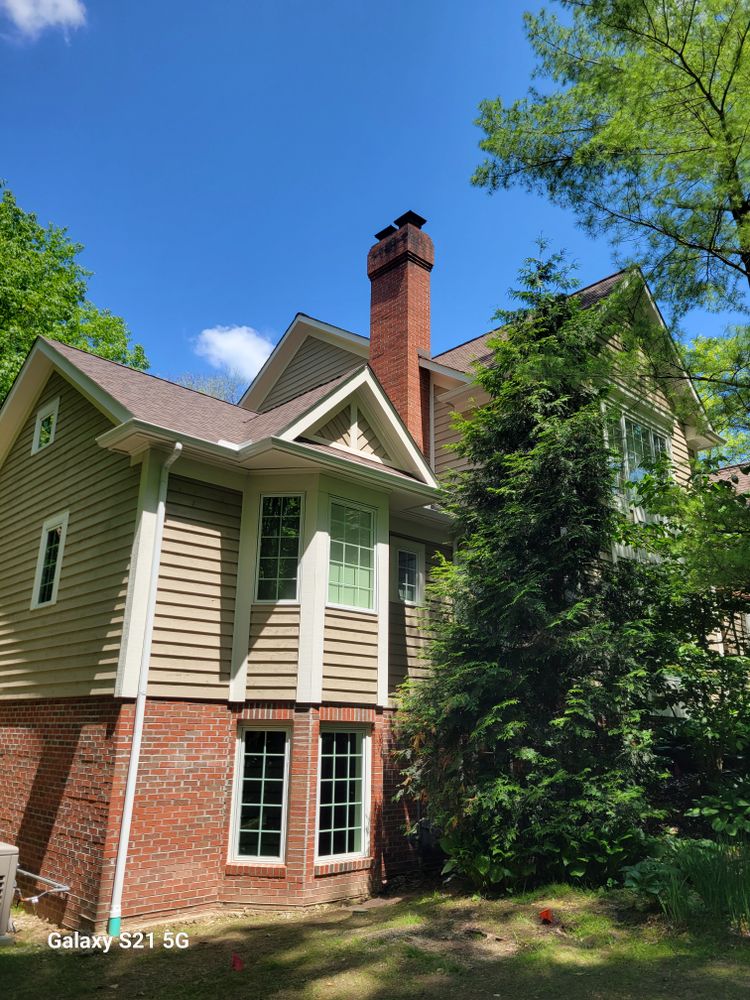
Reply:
x=409, y=633
x=350, y=657
x=446, y=460
x=273, y=652
x=71, y=647
x=192, y=641
x=315, y=362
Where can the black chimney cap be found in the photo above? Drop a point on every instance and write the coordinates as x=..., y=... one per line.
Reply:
x=410, y=217
x=388, y=231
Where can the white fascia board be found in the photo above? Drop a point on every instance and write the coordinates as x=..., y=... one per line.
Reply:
x=380, y=477
x=386, y=415
x=444, y=371
x=41, y=361
x=292, y=339
x=118, y=436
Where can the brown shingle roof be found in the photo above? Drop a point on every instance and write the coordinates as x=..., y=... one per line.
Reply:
x=186, y=411
x=464, y=355
x=734, y=474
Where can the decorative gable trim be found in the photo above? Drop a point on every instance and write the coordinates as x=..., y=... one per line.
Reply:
x=350, y=430
x=383, y=428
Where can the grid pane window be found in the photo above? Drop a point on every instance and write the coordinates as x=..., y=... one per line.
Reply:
x=49, y=564
x=264, y=764
x=278, y=548
x=351, y=571
x=342, y=790
x=637, y=446
x=408, y=575
x=46, y=427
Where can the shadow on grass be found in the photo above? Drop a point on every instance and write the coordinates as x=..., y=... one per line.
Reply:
x=436, y=947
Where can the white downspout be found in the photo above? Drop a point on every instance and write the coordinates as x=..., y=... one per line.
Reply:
x=115, y=911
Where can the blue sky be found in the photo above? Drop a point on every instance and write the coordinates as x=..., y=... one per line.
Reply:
x=226, y=165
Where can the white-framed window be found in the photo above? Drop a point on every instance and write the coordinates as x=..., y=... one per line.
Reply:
x=407, y=571
x=49, y=560
x=45, y=425
x=638, y=445
x=343, y=793
x=261, y=791
x=279, y=534
x=351, y=560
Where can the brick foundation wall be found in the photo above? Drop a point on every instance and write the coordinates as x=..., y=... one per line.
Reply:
x=58, y=759
x=67, y=763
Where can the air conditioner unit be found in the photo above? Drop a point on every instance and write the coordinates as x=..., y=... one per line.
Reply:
x=8, y=865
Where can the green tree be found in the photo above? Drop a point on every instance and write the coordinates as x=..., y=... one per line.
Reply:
x=530, y=740
x=720, y=368
x=43, y=293
x=644, y=133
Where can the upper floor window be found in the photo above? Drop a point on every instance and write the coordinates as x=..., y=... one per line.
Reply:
x=278, y=548
x=49, y=560
x=407, y=571
x=45, y=425
x=351, y=565
x=638, y=445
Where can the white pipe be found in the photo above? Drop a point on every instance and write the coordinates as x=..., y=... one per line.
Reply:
x=115, y=911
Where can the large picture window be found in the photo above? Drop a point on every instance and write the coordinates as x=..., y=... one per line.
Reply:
x=342, y=809
x=278, y=548
x=261, y=794
x=351, y=569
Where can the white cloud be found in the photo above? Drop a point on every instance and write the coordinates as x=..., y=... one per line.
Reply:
x=32, y=16
x=234, y=348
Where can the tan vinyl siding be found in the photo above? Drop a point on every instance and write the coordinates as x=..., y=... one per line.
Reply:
x=408, y=632
x=315, y=362
x=368, y=442
x=71, y=647
x=273, y=652
x=350, y=657
x=192, y=642
x=337, y=430
x=446, y=460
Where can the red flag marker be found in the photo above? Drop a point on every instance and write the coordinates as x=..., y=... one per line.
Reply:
x=237, y=964
x=546, y=916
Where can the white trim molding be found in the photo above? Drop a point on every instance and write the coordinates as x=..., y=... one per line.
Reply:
x=233, y=855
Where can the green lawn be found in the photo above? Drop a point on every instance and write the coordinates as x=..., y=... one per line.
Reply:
x=426, y=945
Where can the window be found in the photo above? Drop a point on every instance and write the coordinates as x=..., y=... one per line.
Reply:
x=351, y=567
x=45, y=426
x=638, y=445
x=344, y=779
x=261, y=774
x=278, y=548
x=407, y=571
x=49, y=560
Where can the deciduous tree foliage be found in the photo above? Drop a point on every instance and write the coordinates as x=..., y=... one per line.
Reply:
x=43, y=293
x=644, y=133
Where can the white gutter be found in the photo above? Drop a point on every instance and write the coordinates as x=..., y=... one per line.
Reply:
x=115, y=910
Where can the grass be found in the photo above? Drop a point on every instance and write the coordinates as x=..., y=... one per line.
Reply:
x=435, y=945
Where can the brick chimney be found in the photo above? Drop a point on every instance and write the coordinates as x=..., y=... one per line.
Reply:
x=398, y=267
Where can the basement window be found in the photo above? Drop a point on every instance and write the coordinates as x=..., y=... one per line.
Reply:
x=260, y=797
x=49, y=561
x=45, y=425
x=343, y=794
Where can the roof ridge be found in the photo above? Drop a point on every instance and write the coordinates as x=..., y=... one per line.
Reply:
x=139, y=371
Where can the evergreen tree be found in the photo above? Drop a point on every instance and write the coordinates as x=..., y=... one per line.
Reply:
x=531, y=739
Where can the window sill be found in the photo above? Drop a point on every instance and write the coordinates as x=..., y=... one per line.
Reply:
x=323, y=868
x=257, y=869
x=356, y=611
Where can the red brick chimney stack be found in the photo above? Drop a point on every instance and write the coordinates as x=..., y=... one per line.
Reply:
x=398, y=267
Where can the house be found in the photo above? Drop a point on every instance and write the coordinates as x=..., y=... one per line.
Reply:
x=206, y=609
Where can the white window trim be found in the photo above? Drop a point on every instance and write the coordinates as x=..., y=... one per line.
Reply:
x=286, y=600
x=56, y=521
x=626, y=499
x=343, y=501
x=234, y=857
x=343, y=727
x=416, y=548
x=49, y=409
